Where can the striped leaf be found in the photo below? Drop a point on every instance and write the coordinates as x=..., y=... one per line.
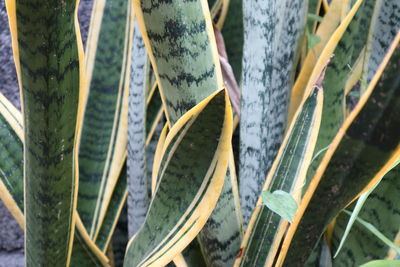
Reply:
x=193, y=255
x=181, y=46
x=384, y=27
x=193, y=166
x=84, y=251
x=138, y=200
x=266, y=228
x=272, y=30
x=113, y=212
x=326, y=28
x=104, y=134
x=154, y=112
x=12, y=159
x=363, y=150
x=381, y=210
x=48, y=55
x=346, y=51
x=186, y=73
x=221, y=236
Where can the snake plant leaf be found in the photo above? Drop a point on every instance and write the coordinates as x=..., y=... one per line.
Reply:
x=386, y=22
x=154, y=113
x=12, y=187
x=221, y=236
x=193, y=255
x=272, y=30
x=330, y=29
x=138, y=200
x=380, y=210
x=113, y=212
x=266, y=228
x=182, y=49
x=104, y=134
x=354, y=214
x=11, y=154
x=49, y=56
x=232, y=31
x=186, y=71
x=363, y=150
x=85, y=253
x=382, y=263
x=188, y=189
x=345, y=54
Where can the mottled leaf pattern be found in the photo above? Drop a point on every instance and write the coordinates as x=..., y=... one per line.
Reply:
x=271, y=33
x=138, y=200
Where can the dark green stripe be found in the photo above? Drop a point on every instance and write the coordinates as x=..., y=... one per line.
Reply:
x=49, y=64
x=263, y=232
x=181, y=180
x=101, y=107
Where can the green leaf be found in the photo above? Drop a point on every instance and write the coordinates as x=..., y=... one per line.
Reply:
x=345, y=54
x=272, y=31
x=113, y=212
x=11, y=159
x=357, y=157
x=359, y=205
x=221, y=236
x=376, y=232
x=330, y=30
x=232, y=31
x=312, y=40
x=104, y=138
x=379, y=210
x=314, y=17
x=84, y=250
x=48, y=56
x=280, y=202
x=192, y=168
x=186, y=72
x=382, y=263
x=266, y=227
x=193, y=255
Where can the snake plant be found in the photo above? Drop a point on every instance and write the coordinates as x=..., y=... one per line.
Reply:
x=254, y=133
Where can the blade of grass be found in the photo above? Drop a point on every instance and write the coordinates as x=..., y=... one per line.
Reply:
x=380, y=210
